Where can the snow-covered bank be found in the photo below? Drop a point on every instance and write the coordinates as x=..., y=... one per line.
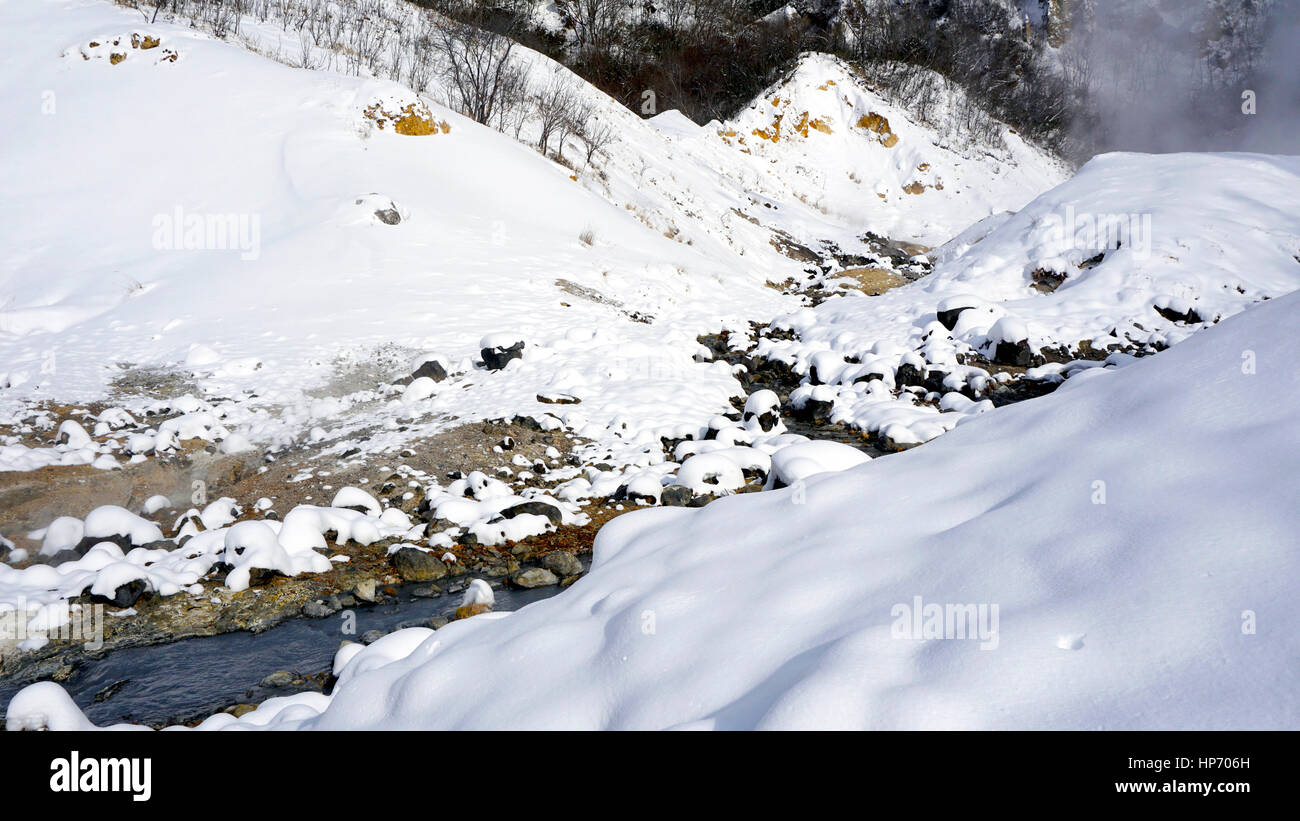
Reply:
x=1130, y=591
x=1134, y=253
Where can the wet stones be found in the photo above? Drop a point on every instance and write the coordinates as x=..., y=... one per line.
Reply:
x=1008, y=344
x=322, y=608
x=415, y=565
x=562, y=563
x=280, y=678
x=261, y=576
x=1045, y=281
x=815, y=411
x=1187, y=317
x=676, y=496
x=950, y=309
x=467, y=610
x=366, y=591
x=533, y=577
x=67, y=555
x=909, y=374
x=558, y=398
x=1017, y=354
x=762, y=408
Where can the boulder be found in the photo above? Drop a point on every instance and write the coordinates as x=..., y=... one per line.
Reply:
x=562, y=563
x=125, y=595
x=318, y=609
x=551, y=512
x=280, y=678
x=815, y=411
x=498, y=350
x=431, y=369
x=533, y=577
x=415, y=565
x=366, y=591
x=467, y=610
x=676, y=496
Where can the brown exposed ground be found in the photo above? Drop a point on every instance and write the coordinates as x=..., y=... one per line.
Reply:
x=30, y=500
x=870, y=281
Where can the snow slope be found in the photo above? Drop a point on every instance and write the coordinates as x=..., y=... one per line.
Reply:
x=298, y=293
x=488, y=228
x=1130, y=593
x=837, y=145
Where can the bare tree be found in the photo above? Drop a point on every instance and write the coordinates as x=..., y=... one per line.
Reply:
x=594, y=21
x=477, y=67
x=555, y=107
x=597, y=134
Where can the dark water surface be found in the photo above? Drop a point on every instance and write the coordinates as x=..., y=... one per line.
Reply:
x=195, y=677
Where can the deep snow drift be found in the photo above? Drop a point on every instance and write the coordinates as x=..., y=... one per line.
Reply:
x=1151, y=592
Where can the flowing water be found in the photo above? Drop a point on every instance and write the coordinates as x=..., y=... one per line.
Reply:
x=193, y=678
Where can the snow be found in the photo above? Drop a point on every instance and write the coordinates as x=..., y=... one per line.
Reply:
x=796, y=463
x=44, y=706
x=1094, y=628
x=420, y=388
x=1221, y=237
x=62, y=534
x=356, y=497
x=289, y=547
x=112, y=576
x=500, y=339
x=666, y=209
x=110, y=520
x=303, y=321
x=72, y=434
x=675, y=124
x=843, y=148
x=478, y=592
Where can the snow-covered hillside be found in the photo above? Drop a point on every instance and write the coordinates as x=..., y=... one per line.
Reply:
x=835, y=144
x=236, y=235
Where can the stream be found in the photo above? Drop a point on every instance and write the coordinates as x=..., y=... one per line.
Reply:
x=193, y=678
x=187, y=680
